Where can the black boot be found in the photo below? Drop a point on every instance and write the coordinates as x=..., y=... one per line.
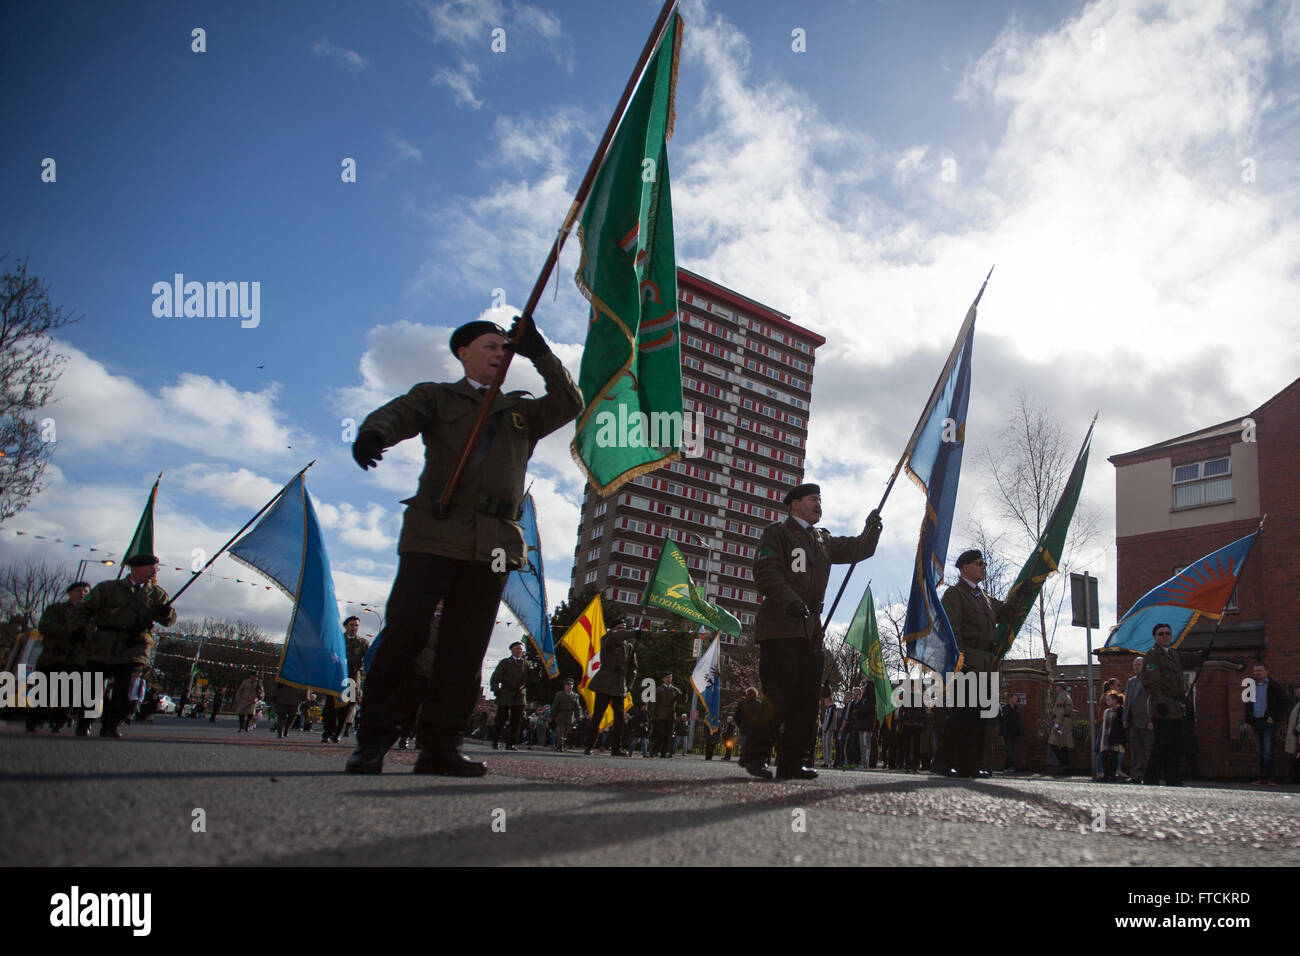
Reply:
x=442, y=756
x=369, y=755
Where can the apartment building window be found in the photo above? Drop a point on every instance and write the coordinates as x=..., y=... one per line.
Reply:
x=600, y=509
x=593, y=555
x=590, y=577
x=1203, y=483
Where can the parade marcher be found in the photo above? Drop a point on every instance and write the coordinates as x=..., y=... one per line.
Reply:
x=974, y=616
x=1061, y=737
x=336, y=713
x=791, y=567
x=246, y=697
x=638, y=729
x=508, y=681
x=566, y=706
x=463, y=553
x=610, y=684
x=118, y=617
x=665, y=707
x=830, y=714
x=864, y=715
x=63, y=648
x=1163, y=678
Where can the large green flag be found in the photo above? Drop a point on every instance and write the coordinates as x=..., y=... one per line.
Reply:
x=631, y=374
x=672, y=589
x=1045, y=556
x=865, y=636
x=142, y=540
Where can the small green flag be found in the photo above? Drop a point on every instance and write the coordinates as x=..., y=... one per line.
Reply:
x=142, y=540
x=1047, y=553
x=631, y=373
x=672, y=589
x=865, y=636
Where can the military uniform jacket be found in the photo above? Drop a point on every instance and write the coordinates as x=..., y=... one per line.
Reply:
x=565, y=707
x=1163, y=679
x=784, y=546
x=119, y=620
x=488, y=498
x=974, y=618
x=508, y=681
x=617, y=665
x=63, y=641
x=665, y=704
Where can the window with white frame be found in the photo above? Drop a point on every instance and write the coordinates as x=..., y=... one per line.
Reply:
x=1202, y=483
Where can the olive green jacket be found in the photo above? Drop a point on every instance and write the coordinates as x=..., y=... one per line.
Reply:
x=63, y=642
x=1163, y=678
x=443, y=414
x=119, y=621
x=794, y=564
x=975, y=624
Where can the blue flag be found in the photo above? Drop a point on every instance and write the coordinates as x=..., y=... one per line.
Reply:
x=934, y=463
x=525, y=592
x=1202, y=589
x=288, y=548
x=708, y=685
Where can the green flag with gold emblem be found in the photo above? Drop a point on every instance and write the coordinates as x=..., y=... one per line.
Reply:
x=672, y=589
x=631, y=373
x=864, y=635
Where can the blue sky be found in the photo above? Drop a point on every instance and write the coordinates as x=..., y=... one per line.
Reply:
x=1095, y=152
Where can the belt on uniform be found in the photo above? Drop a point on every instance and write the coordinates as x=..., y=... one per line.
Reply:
x=121, y=630
x=489, y=505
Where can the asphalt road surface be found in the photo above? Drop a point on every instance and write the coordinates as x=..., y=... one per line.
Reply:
x=67, y=801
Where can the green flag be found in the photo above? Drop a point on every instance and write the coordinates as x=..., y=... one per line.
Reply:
x=142, y=541
x=631, y=374
x=1045, y=556
x=672, y=589
x=865, y=636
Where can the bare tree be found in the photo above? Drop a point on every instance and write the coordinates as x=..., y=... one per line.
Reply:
x=28, y=587
x=28, y=372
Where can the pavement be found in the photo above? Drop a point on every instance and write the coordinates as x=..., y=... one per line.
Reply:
x=184, y=792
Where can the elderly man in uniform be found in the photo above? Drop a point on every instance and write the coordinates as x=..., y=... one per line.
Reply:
x=564, y=709
x=462, y=554
x=662, y=711
x=974, y=616
x=511, y=676
x=119, y=618
x=610, y=684
x=1162, y=676
x=791, y=568
x=336, y=714
x=63, y=648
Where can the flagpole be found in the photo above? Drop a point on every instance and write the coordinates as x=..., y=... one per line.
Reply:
x=1205, y=655
x=233, y=538
x=920, y=422
x=553, y=255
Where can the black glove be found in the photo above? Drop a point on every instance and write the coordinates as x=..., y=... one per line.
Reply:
x=796, y=609
x=874, y=526
x=368, y=449
x=531, y=345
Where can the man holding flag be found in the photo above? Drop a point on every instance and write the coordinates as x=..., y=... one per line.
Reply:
x=460, y=553
x=791, y=568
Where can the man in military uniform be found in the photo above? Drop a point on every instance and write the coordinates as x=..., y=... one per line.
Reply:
x=974, y=616
x=336, y=714
x=63, y=648
x=662, y=712
x=610, y=685
x=1162, y=676
x=566, y=707
x=791, y=568
x=119, y=618
x=508, y=680
x=462, y=554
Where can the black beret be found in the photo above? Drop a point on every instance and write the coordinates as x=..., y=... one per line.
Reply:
x=78, y=584
x=140, y=560
x=802, y=491
x=966, y=557
x=468, y=332
x=516, y=644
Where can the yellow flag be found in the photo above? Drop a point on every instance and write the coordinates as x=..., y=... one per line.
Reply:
x=582, y=640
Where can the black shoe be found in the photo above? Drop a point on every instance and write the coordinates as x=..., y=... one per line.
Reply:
x=511, y=747
x=618, y=753
x=587, y=751
x=449, y=763
x=369, y=755
x=105, y=732
x=403, y=743
x=983, y=775
x=757, y=770
x=334, y=739
x=797, y=773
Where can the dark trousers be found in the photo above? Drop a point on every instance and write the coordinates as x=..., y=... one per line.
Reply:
x=962, y=747
x=791, y=674
x=598, y=714
x=123, y=676
x=471, y=592
x=1265, y=744
x=710, y=745
x=331, y=718
x=661, y=737
x=1167, y=753
x=514, y=713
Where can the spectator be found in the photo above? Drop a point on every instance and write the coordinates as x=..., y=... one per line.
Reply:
x=1009, y=730
x=1137, y=723
x=1112, y=739
x=246, y=695
x=1061, y=738
x=1265, y=715
x=1291, y=742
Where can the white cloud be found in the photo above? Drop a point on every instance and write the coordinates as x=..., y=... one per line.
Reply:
x=348, y=59
x=371, y=528
x=460, y=80
x=405, y=149
x=239, y=487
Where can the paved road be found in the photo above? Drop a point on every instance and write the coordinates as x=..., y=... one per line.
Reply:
x=86, y=801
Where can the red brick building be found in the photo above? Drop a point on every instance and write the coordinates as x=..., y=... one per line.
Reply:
x=1182, y=498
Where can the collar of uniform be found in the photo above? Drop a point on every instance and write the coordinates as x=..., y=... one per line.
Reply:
x=969, y=584
x=800, y=522
x=469, y=388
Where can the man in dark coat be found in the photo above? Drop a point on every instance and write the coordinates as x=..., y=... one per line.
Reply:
x=617, y=672
x=508, y=681
x=664, y=708
x=791, y=568
x=462, y=553
x=566, y=707
x=63, y=648
x=1162, y=676
x=1009, y=728
x=1265, y=714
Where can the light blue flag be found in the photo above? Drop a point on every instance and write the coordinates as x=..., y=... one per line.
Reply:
x=525, y=592
x=1202, y=589
x=934, y=463
x=288, y=548
x=708, y=684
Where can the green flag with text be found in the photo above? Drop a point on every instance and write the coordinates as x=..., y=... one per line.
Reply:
x=672, y=589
